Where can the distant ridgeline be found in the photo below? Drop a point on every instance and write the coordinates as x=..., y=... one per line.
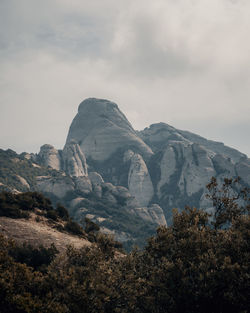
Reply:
x=126, y=181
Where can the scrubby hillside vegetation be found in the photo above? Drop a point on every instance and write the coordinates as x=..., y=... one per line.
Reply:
x=199, y=264
x=111, y=207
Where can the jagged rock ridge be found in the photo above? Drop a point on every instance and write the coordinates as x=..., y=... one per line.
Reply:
x=112, y=173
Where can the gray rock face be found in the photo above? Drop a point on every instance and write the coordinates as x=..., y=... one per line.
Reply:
x=23, y=181
x=182, y=168
x=57, y=186
x=224, y=166
x=83, y=184
x=139, y=182
x=153, y=214
x=100, y=128
x=186, y=166
x=96, y=178
x=74, y=161
x=158, y=135
x=243, y=170
x=49, y=156
x=129, y=170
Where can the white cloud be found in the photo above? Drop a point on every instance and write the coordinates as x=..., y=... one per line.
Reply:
x=184, y=62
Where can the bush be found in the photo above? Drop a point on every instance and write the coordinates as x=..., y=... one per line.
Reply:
x=9, y=206
x=73, y=228
x=37, y=258
x=52, y=214
x=62, y=212
x=90, y=226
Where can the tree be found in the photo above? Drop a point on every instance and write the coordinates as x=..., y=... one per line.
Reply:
x=229, y=200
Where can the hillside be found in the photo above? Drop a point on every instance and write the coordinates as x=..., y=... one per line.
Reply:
x=126, y=181
x=37, y=231
x=194, y=265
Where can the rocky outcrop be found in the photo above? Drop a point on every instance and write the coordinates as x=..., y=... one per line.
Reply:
x=126, y=171
x=82, y=184
x=158, y=135
x=49, y=156
x=74, y=161
x=96, y=178
x=168, y=166
x=23, y=181
x=100, y=129
x=58, y=186
x=224, y=166
x=184, y=171
x=139, y=182
x=197, y=169
x=153, y=214
x=243, y=170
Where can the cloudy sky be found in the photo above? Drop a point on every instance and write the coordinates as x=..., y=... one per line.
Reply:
x=182, y=62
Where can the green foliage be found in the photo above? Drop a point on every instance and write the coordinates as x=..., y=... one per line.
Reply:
x=62, y=212
x=90, y=226
x=9, y=206
x=52, y=214
x=229, y=200
x=12, y=164
x=189, y=267
x=37, y=258
x=73, y=228
x=19, y=205
x=193, y=266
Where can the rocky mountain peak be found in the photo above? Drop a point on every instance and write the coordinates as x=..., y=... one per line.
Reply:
x=97, y=104
x=96, y=109
x=100, y=129
x=160, y=135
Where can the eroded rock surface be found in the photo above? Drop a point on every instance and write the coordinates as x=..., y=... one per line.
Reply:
x=139, y=182
x=49, y=156
x=74, y=161
x=58, y=186
x=100, y=128
x=153, y=214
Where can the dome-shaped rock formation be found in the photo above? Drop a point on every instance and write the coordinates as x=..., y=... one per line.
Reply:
x=100, y=129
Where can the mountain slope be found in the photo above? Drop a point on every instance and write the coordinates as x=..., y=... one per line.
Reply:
x=127, y=181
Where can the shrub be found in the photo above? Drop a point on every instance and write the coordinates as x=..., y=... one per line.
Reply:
x=90, y=226
x=62, y=212
x=38, y=258
x=52, y=214
x=73, y=227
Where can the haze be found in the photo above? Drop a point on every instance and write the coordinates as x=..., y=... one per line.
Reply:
x=182, y=62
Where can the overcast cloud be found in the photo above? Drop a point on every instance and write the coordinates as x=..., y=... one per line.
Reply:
x=182, y=62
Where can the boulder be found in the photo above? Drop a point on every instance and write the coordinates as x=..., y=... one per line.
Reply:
x=83, y=184
x=74, y=161
x=58, y=186
x=153, y=214
x=96, y=178
x=49, y=156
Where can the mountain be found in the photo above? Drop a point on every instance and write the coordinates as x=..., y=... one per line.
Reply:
x=101, y=129
x=127, y=181
x=85, y=194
